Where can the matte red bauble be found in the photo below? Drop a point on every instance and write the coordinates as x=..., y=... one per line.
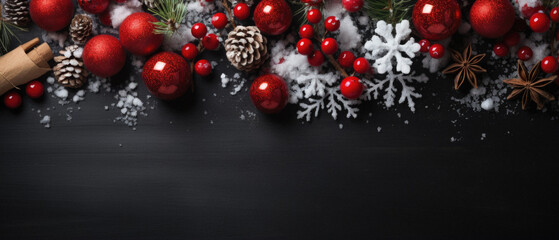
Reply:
x=104, y=56
x=94, y=6
x=167, y=75
x=273, y=16
x=492, y=18
x=269, y=93
x=436, y=19
x=137, y=34
x=51, y=15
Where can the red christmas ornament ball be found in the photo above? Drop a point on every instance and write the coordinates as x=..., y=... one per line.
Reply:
x=167, y=75
x=51, y=15
x=436, y=19
x=492, y=18
x=104, y=56
x=94, y=6
x=137, y=34
x=269, y=93
x=273, y=17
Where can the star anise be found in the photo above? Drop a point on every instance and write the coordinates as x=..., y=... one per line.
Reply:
x=466, y=66
x=529, y=86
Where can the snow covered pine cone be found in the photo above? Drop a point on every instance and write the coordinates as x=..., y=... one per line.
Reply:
x=246, y=48
x=150, y=3
x=17, y=12
x=80, y=29
x=70, y=71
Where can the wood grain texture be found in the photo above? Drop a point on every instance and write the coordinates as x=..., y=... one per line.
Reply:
x=273, y=177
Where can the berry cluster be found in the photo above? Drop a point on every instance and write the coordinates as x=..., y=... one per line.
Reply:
x=436, y=50
x=34, y=90
x=350, y=87
x=539, y=22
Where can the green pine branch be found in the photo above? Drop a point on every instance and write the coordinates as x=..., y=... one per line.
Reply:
x=391, y=11
x=7, y=33
x=172, y=13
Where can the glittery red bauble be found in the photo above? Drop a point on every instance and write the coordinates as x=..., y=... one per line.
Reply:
x=51, y=15
x=269, y=93
x=436, y=19
x=137, y=36
x=273, y=16
x=167, y=75
x=94, y=6
x=104, y=56
x=492, y=18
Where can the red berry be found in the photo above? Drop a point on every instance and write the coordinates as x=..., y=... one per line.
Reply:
x=351, y=88
x=501, y=50
x=241, y=11
x=34, y=89
x=549, y=64
x=332, y=23
x=199, y=30
x=12, y=100
x=219, y=20
x=512, y=39
x=539, y=22
x=305, y=47
x=314, y=16
x=189, y=51
x=346, y=59
x=436, y=51
x=329, y=46
x=203, y=67
x=554, y=14
x=352, y=5
x=210, y=42
x=361, y=65
x=306, y=31
x=425, y=44
x=524, y=53
x=316, y=59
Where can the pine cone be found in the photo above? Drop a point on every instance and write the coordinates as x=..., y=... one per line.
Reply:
x=70, y=71
x=17, y=12
x=80, y=29
x=150, y=3
x=246, y=48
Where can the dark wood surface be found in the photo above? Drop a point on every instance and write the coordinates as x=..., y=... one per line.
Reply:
x=273, y=177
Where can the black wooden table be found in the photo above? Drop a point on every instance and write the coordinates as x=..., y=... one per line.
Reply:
x=194, y=169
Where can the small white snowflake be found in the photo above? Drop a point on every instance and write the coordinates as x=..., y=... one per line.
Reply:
x=387, y=48
x=388, y=87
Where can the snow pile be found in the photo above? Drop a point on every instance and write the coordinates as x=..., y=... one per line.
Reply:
x=119, y=12
x=237, y=82
x=129, y=105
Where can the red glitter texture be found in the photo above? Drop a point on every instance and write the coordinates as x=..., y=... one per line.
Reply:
x=94, y=6
x=492, y=18
x=269, y=93
x=167, y=75
x=51, y=15
x=436, y=19
x=104, y=56
x=273, y=16
x=137, y=36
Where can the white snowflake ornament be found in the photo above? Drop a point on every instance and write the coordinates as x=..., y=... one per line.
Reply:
x=387, y=48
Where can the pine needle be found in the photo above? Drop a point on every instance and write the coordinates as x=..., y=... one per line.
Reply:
x=7, y=33
x=391, y=11
x=172, y=13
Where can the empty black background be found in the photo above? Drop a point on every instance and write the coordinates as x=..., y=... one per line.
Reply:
x=273, y=177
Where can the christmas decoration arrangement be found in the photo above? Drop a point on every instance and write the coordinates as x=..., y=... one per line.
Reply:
x=320, y=55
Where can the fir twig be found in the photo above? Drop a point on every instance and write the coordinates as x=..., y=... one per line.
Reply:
x=7, y=33
x=172, y=14
x=391, y=11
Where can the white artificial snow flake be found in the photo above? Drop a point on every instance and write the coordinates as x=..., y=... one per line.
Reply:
x=389, y=88
x=45, y=121
x=387, y=48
